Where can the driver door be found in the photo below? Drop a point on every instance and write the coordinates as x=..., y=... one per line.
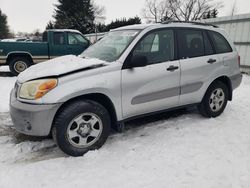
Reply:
x=155, y=86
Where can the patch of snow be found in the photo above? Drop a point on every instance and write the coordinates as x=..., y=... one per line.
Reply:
x=4, y=69
x=8, y=40
x=185, y=150
x=6, y=84
x=57, y=66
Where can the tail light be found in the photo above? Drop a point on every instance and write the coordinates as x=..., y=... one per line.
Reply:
x=239, y=60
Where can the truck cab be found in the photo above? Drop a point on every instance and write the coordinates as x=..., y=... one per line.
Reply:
x=65, y=42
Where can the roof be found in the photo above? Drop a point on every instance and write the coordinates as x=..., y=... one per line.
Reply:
x=167, y=24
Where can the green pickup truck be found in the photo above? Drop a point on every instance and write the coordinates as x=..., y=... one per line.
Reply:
x=56, y=42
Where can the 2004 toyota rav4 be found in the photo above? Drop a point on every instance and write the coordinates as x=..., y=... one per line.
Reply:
x=133, y=71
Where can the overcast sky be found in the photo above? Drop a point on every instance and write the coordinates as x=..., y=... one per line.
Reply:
x=28, y=15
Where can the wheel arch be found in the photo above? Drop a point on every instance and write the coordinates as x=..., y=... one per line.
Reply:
x=226, y=80
x=102, y=99
x=18, y=54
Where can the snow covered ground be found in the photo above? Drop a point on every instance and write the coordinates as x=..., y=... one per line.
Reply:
x=176, y=150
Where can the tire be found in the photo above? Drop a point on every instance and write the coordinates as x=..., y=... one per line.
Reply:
x=81, y=126
x=18, y=65
x=215, y=100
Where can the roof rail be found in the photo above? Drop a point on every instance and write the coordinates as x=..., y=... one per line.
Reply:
x=191, y=22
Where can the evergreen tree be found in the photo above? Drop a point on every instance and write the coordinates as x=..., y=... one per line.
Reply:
x=123, y=22
x=77, y=14
x=211, y=14
x=4, y=29
x=214, y=13
x=50, y=25
x=135, y=20
x=101, y=28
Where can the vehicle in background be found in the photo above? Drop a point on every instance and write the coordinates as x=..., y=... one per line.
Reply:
x=94, y=37
x=20, y=55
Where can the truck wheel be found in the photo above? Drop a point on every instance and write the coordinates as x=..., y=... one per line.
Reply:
x=215, y=100
x=81, y=126
x=18, y=65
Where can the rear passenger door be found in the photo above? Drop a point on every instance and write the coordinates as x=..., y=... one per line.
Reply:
x=199, y=63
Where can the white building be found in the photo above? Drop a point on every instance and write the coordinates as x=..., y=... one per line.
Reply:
x=238, y=28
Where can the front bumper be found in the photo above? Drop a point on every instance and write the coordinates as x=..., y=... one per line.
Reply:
x=32, y=119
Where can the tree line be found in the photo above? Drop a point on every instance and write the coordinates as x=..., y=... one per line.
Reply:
x=84, y=16
x=181, y=10
x=87, y=17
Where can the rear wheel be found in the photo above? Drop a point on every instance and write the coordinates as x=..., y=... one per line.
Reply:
x=80, y=127
x=215, y=100
x=18, y=65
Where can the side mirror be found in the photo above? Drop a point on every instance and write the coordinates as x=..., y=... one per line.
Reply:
x=138, y=61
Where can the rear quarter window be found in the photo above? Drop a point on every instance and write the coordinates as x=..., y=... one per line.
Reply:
x=59, y=38
x=220, y=43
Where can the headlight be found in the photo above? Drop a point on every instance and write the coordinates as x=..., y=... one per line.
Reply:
x=37, y=88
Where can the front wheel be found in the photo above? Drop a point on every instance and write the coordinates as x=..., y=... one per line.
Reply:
x=81, y=126
x=215, y=100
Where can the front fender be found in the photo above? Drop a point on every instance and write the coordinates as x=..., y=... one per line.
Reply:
x=107, y=84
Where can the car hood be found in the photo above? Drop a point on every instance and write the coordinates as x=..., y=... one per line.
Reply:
x=59, y=66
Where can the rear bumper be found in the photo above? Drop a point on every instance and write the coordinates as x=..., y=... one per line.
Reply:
x=32, y=119
x=236, y=80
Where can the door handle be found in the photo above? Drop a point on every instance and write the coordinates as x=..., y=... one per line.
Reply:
x=211, y=61
x=172, y=68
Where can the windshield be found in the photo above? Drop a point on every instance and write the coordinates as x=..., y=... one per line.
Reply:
x=111, y=46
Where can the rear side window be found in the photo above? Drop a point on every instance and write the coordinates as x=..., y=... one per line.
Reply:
x=220, y=43
x=59, y=38
x=191, y=43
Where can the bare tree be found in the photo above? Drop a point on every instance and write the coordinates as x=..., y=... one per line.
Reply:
x=182, y=10
x=189, y=10
x=99, y=12
x=234, y=9
x=156, y=10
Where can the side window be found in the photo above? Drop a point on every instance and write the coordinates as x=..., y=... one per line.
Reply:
x=59, y=38
x=76, y=38
x=157, y=47
x=190, y=43
x=208, y=46
x=220, y=43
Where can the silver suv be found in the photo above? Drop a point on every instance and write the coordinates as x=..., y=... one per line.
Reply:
x=133, y=71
